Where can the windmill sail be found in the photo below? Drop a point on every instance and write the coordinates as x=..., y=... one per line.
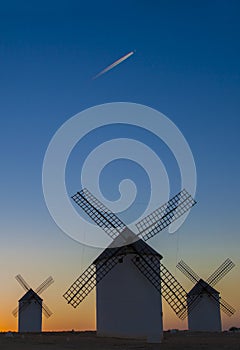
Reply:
x=23, y=283
x=165, y=215
x=187, y=271
x=88, y=279
x=223, y=269
x=100, y=214
x=46, y=311
x=165, y=283
x=44, y=285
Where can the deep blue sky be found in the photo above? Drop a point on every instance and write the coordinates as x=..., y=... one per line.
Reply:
x=186, y=65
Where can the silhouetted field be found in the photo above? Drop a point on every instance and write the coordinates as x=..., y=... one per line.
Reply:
x=89, y=341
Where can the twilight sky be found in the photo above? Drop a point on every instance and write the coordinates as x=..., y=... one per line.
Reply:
x=186, y=66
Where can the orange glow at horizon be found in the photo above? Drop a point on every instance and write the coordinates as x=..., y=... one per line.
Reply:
x=66, y=260
x=66, y=318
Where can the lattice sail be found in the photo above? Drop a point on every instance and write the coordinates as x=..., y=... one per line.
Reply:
x=15, y=311
x=172, y=291
x=100, y=214
x=44, y=285
x=88, y=279
x=18, y=309
x=165, y=215
x=165, y=283
x=187, y=271
x=227, y=308
x=190, y=306
x=46, y=311
x=223, y=269
x=23, y=283
x=149, y=270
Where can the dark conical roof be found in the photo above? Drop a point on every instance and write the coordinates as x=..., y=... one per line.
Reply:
x=138, y=247
x=30, y=295
x=202, y=287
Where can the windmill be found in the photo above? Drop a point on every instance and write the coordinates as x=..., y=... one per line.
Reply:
x=132, y=279
x=30, y=306
x=203, y=301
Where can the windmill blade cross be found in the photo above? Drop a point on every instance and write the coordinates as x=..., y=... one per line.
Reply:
x=165, y=215
x=44, y=285
x=187, y=271
x=114, y=227
x=47, y=312
x=22, y=282
x=99, y=213
x=221, y=271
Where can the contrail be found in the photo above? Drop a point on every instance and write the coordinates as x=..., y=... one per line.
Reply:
x=114, y=64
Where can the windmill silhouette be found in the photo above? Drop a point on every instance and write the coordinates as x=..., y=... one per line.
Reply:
x=204, y=301
x=132, y=277
x=31, y=306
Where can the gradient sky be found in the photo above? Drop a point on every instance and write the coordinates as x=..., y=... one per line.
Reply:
x=186, y=66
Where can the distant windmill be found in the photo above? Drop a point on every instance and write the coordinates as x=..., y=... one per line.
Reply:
x=31, y=306
x=129, y=296
x=203, y=301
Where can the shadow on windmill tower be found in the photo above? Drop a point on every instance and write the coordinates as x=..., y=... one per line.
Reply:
x=31, y=307
x=204, y=301
x=129, y=276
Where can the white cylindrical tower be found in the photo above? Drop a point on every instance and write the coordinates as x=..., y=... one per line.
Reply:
x=128, y=305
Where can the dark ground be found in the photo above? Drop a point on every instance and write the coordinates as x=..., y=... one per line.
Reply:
x=88, y=341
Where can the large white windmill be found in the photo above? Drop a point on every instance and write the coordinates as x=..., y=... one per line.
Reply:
x=30, y=307
x=204, y=301
x=132, y=279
